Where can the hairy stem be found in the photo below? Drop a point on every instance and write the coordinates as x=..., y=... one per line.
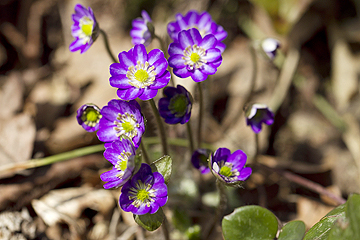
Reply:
x=200, y=117
x=219, y=210
x=160, y=126
x=144, y=153
x=190, y=137
x=107, y=46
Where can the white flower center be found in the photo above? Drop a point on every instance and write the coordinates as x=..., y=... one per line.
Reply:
x=142, y=194
x=194, y=57
x=86, y=29
x=122, y=163
x=141, y=75
x=127, y=125
x=226, y=170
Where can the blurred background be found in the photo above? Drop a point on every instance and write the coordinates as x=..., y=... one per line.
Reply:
x=312, y=85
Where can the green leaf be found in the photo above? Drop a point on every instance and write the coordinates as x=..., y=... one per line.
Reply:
x=250, y=223
x=321, y=230
x=341, y=230
x=149, y=221
x=353, y=214
x=163, y=165
x=294, y=230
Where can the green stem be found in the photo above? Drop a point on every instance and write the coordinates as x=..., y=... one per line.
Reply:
x=33, y=163
x=162, y=44
x=107, y=46
x=144, y=153
x=165, y=228
x=11, y=168
x=190, y=137
x=254, y=73
x=200, y=118
x=256, y=147
x=219, y=210
x=160, y=126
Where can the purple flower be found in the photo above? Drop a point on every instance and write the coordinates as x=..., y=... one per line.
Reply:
x=88, y=116
x=121, y=118
x=139, y=74
x=270, y=46
x=145, y=193
x=140, y=33
x=120, y=154
x=175, y=107
x=200, y=159
x=203, y=22
x=194, y=56
x=228, y=167
x=258, y=114
x=85, y=29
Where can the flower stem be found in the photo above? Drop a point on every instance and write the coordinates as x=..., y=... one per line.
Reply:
x=144, y=153
x=160, y=126
x=219, y=210
x=200, y=118
x=165, y=228
x=33, y=163
x=256, y=147
x=162, y=44
x=107, y=46
x=190, y=137
x=12, y=168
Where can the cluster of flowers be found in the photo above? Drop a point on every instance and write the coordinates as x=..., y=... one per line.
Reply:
x=195, y=52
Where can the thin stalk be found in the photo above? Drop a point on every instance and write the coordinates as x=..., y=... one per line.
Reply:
x=144, y=153
x=254, y=73
x=107, y=46
x=165, y=228
x=162, y=44
x=201, y=112
x=13, y=168
x=219, y=210
x=160, y=126
x=33, y=163
x=256, y=147
x=190, y=137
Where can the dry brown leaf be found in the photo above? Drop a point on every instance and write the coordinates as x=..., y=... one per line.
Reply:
x=11, y=95
x=344, y=74
x=16, y=139
x=68, y=204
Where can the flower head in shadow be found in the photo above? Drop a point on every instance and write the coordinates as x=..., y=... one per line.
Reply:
x=200, y=159
x=258, y=114
x=176, y=106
